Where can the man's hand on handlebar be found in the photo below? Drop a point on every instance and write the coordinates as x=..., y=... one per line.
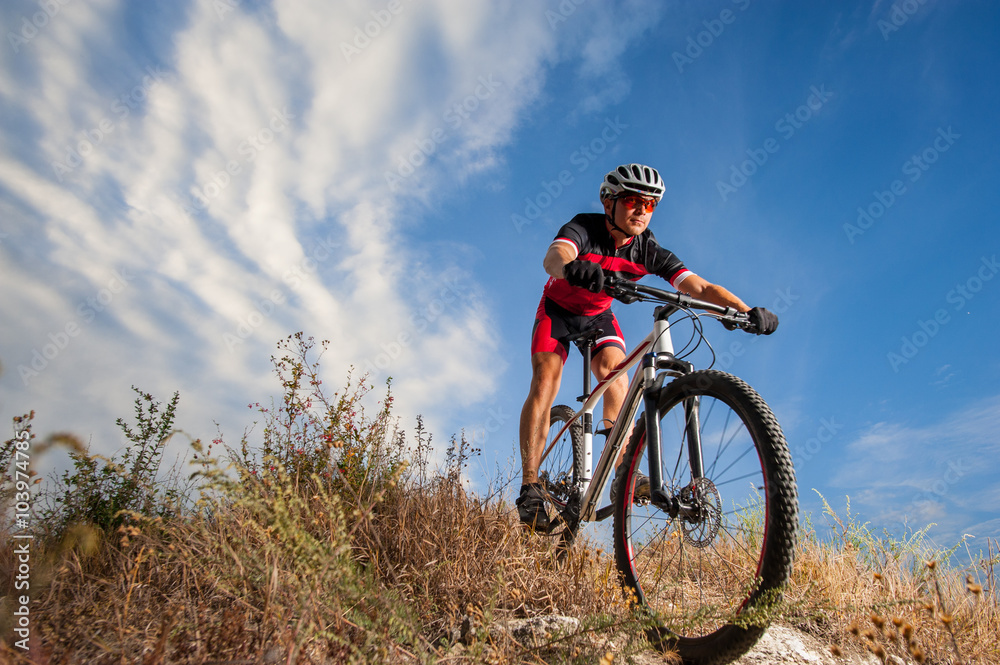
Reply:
x=585, y=274
x=758, y=321
x=762, y=321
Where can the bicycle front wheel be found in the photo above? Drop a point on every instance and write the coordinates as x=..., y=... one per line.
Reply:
x=707, y=564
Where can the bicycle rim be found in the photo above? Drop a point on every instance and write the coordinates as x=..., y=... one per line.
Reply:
x=561, y=468
x=706, y=580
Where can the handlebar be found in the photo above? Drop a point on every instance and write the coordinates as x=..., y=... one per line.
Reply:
x=628, y=292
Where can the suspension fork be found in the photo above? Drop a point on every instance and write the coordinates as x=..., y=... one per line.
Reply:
x=650, y=401
x=692, y=427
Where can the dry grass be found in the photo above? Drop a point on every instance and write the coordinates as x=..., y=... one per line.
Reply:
x=314, y=542
x=895, y=597
x=297, y=576
x=327, y=541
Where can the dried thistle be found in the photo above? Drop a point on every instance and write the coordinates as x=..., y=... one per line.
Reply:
x=878, y=621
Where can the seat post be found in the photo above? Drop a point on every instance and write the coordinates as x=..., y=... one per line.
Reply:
x=587, y=349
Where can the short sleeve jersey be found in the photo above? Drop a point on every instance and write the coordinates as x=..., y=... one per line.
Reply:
x=640, y=256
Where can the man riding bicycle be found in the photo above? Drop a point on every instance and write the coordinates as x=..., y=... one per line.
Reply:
x=573, y=301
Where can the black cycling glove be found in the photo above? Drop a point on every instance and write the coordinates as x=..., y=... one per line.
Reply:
x=585, y=274
x=762, y=321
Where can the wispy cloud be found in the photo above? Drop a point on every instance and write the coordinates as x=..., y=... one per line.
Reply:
x=239, y=180
x=941, y=472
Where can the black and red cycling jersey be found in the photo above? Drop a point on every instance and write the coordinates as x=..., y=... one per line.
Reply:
x=588, y=234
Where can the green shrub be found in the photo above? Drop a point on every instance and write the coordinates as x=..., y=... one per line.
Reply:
x=103, y=491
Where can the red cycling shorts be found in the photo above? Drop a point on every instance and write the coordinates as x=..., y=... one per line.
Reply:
x=555, y=324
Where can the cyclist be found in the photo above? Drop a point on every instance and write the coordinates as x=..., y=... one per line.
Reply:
x=573, y=300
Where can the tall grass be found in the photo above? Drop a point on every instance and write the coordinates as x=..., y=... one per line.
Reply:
x=896, y=596
x=323, y=535
x=318, y=536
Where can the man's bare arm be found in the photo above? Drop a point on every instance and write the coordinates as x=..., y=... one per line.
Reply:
x=702, y=289
x=556, y=258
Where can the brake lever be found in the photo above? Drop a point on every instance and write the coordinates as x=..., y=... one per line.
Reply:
x=619, y=290
x=732, y=319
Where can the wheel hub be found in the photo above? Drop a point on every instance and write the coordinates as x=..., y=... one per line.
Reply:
x=701, y=528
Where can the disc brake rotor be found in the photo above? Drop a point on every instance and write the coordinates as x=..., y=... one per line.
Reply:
x=703, y=494
x=559, y=488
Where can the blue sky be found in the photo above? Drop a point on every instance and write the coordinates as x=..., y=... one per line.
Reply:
x=183, y=185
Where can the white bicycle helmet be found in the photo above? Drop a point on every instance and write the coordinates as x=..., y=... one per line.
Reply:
x=635, y=178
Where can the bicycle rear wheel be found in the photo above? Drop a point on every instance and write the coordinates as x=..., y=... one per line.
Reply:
x=561, y=469
x=706, y=575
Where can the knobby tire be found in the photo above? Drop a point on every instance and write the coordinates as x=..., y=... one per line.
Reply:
x=706, y=583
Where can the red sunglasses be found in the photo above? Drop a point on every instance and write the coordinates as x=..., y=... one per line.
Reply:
x=635, y=200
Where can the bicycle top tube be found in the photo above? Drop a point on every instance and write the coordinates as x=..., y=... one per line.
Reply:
x=589, y=405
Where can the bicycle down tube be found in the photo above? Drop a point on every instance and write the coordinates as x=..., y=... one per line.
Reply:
x=594, y=480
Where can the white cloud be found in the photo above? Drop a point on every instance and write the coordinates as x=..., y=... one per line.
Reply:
x=942, y=472
x=290, y=223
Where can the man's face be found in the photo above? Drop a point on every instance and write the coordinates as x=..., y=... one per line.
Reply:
x=632, y=213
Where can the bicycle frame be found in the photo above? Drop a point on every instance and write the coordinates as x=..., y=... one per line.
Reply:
x=657, y=345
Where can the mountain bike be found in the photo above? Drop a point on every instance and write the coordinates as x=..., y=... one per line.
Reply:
x=705, y=551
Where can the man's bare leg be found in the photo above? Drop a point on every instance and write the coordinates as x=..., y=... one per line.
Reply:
x=546, y=374
x=602, y=364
